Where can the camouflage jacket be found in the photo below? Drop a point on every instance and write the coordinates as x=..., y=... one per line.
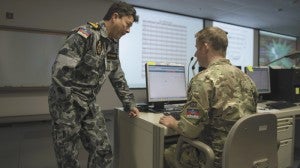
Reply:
x=83, y=63
x=217, y=98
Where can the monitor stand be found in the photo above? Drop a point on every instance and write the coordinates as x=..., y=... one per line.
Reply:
x=261, y=98
x=158, y=106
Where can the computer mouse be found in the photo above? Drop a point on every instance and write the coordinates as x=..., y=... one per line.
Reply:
x=166, y=113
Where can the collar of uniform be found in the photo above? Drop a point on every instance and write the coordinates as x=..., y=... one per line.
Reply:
x=103, y=32
x=219, y=61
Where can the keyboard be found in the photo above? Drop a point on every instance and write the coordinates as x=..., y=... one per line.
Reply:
x=175, y=114
x=280, y=105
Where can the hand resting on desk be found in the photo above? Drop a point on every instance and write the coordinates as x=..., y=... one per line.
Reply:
x=168, y=121
x=134, y=112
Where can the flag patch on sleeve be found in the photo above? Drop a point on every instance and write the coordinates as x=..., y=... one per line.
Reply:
x=193, y=113
x=84, y=32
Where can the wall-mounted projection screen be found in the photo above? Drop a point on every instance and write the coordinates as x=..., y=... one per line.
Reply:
x=26, y=57
x=240, y=49
x=160, y=37
x=273, y=46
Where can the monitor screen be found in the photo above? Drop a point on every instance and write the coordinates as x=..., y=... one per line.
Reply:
x=165, y=84
x=261, y=78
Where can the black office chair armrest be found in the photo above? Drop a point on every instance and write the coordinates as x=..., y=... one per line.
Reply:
x=208, y=152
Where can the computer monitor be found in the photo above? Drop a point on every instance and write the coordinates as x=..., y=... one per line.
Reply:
x=165, y=84
x=261, y=78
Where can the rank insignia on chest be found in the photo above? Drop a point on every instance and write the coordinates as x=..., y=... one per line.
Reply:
x=193, y=113
x=112, y=56
x=99, y=47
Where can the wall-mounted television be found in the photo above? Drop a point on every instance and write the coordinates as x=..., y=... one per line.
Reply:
x=159, y=37
x=273, y=46
x=240, y=49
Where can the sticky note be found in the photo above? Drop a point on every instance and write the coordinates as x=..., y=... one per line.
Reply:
x=151, y=63
x=250, y=68
x=297, y=90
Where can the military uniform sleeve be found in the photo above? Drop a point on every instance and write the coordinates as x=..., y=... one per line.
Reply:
x=120, y=85
x=195, y=112
x=68, y=58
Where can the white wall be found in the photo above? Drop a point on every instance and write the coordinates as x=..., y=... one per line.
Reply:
x=54, y=15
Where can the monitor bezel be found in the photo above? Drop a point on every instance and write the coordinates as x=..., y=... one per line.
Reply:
x=159, y=103
x=247, y=71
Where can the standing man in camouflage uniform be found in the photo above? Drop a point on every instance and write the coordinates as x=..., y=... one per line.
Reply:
x=88, y=57
x=217, y=98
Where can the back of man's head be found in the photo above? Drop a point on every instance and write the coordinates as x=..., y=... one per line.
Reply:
x=214, y=36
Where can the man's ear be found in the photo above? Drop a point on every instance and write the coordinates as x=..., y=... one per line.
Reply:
x=114, y=16
x=206, y=45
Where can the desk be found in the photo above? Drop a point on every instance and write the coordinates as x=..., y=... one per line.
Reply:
x=140, y=142
x=286, y=121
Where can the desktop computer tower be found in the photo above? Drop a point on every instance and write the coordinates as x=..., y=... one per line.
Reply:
x=285, y=85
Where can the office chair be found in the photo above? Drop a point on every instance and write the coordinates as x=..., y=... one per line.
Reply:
x=251, y=143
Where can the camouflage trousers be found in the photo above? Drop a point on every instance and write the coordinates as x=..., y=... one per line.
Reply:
x=189, y=157
x=72, y=122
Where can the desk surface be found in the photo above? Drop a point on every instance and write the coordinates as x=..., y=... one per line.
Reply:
x=261, y=107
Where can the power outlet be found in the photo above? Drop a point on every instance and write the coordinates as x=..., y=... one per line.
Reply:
x=9, y=15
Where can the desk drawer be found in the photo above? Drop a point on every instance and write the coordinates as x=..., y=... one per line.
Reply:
x=284, y=132
x=285, y=121
x=285, y=153
x=285, y=128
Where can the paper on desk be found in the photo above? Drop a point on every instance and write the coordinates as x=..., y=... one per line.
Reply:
x=263, y=110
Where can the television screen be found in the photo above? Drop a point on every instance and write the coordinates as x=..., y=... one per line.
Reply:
x=240, y=49
x=273, y=46
x=158, y=37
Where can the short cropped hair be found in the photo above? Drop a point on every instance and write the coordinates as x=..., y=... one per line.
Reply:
x=123, y=9
x=215, y=36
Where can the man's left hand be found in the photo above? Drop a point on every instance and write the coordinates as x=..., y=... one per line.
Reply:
x=134, y=112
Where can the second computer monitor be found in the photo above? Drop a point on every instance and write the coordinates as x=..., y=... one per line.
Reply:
x=261, y=78
x=165, y=84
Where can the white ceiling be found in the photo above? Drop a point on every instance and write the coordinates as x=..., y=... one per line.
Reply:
x=278, y=16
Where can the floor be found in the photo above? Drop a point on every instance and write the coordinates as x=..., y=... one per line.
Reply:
x=28, y=145
x=297, y=159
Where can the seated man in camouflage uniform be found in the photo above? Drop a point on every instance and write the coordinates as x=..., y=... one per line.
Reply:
x=88, y=57
x=217, y=97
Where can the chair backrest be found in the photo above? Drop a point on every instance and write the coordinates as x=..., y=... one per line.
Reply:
x=252, y=143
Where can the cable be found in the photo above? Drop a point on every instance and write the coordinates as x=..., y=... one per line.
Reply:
x=188, y=78
x=193, y=67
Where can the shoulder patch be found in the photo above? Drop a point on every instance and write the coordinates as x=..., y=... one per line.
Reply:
x=95, y=26
x=193, y=113
x=84, y=32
